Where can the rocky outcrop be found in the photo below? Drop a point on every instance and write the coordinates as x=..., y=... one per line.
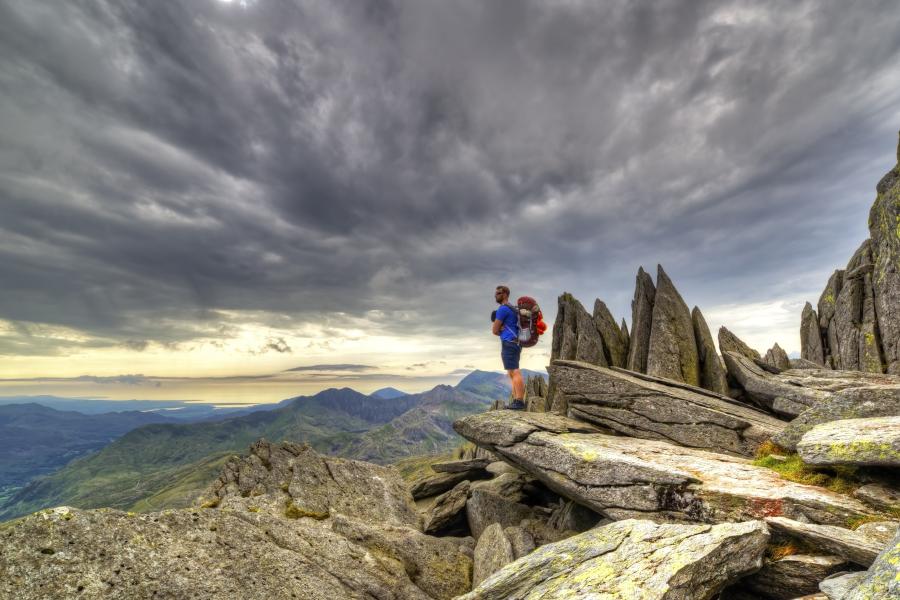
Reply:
x=436, y=484
x=672, y=351
x=778, y=358
x=283, y=521
x=470, y=466
x=575, y=337
x=615, y=340
x=623, y=477
x=766, y=389
x=859, y=310
x=845, y=543
x=868, y=442
x=641, y=321
x=485, y=508
x=882, y=580
x=811, y=337
x=728, y=342
x=851, y=403
x=536, y=394
x=654, y=408
x=447, y=513
x=712, y=370
x=639, y=558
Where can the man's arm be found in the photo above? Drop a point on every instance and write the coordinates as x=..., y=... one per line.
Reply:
x=497, y=327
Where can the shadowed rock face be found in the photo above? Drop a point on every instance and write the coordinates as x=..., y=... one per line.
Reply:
x=641, y=321
x=672, y=351
x=712, y=370
x=640, y=559
x=624, y=477
x=810, y=336
x=661, y=410
x=728, y=342
x=785, y=578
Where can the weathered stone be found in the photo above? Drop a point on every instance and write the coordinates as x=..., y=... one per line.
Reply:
x=882, y=580
x=437, y=484
x=838, y=586
x=884, y=228
x=787, y=577
x=500, y=467
x=653, y=409
x=672, y=351
x=881, y=497
x=828, y=299
x=536, y=397
x=634, y=559
x=853, y=546
x=641, y=322
x=460, y=466
x=769, y=390
x=622, y=477
x=575, y=337
x=615, y=345
x=484, y=508
x=437, y=566
x=712, y=370
x=492, y=552
x=627, y=337
x=880, y=532
x=505, y=485
x=871, y=441
x=448, y=511
x=728, y=342
x=520, y=539
x=777, y=358
x=852, y=403
x=811, y=336
x=802, y=363
x=571, y=516
x=315, y=484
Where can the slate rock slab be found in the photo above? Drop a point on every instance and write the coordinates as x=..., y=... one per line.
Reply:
x=849, y=544
x=633, y=559
x=873, y=441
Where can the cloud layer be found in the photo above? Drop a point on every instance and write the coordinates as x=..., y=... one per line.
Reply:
x=172, y=170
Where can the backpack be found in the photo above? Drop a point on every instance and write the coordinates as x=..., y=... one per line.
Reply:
x=531, y=320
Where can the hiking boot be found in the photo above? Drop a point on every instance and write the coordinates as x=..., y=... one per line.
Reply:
x=516, y=405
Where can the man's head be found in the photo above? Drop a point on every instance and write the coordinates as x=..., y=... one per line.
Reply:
x=501, y=294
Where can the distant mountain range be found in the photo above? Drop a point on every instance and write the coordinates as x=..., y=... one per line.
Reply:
x=167, y=464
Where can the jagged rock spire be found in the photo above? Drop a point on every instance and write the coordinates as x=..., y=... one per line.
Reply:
x=810, y=336
x=728, y=342
x=641, y=321
x=712, y=371
x=672, y=350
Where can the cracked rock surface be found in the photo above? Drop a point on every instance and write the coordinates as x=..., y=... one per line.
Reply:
x=633, y=559
x=623, y=477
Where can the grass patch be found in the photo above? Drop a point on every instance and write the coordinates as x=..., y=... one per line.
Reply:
x=791, y=467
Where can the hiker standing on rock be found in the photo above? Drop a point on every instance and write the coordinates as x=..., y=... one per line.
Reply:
x=506, y=325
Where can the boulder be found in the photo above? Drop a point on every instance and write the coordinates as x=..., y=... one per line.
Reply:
x=621, y=477
x=728, y=342
x=811, y=336
x=654, y=408
x=787, y=577
x=770, y=390
x=884, y=218
x=880, y=497
x=315, y=485
x=437, y=484
x=448, y=511
x=882, y=580
x=492, y=552
x=871, y=441
x=672, y=352
x=461, y=466
x=505, y=485
x=778, y=358
x=712, y=370
x=615, y=342
x=536, y=396
x=851, y=403
x=485, y=508
x=641, y=322
x=520, y=539
x=637, y=558
x=846, y=543
x=838, y=586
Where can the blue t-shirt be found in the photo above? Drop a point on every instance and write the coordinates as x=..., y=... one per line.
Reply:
x=509, y=332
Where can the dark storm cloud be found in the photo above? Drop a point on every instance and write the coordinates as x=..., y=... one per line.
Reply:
x=167, y=165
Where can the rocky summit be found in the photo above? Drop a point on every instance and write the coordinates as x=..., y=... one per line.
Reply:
x=649, y=466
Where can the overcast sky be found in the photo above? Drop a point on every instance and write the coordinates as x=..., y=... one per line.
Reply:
x=209, y=194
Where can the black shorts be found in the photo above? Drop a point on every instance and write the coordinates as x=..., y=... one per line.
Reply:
x=510, y=352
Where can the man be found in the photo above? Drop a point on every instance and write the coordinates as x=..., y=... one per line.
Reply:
x=506, y=325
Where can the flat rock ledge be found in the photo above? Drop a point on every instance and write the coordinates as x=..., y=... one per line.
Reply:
x=622, y=477
x=633, y=559
x=659, y=409
x=849, y=544
x=867, y=442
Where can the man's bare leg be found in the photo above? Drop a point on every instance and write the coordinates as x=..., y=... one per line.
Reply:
x=518, y=385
